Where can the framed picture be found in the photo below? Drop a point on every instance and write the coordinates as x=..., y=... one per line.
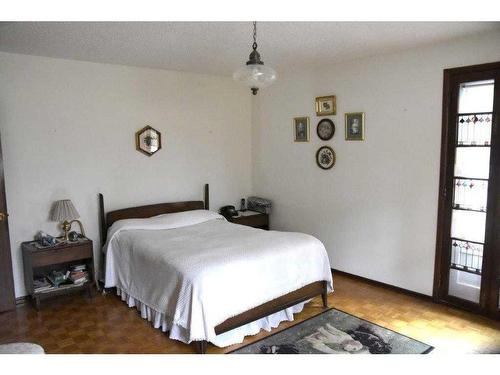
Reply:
x=325, y=129
x=148, y=140
x=326, y=105
x=301, y=129
x=355, y=126
x=325, y=157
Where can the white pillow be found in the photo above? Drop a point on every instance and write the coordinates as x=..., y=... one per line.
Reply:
x=164, y=221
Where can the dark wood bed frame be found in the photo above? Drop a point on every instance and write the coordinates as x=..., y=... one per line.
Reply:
x=300, y=295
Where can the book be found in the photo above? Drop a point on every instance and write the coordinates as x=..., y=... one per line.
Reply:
x=78, y=277
x=60, y=287
x=78, y=267
x=40, y=282
x=44, y=289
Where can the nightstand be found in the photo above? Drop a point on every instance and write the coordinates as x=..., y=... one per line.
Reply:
x=251, y=219
x=41, y=261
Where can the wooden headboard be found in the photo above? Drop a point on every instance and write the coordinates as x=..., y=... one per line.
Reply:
x=141, y=212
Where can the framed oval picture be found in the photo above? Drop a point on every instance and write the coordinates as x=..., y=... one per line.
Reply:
x=325, y=129
x=325, y=157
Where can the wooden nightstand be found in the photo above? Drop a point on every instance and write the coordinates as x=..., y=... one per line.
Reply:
x=41, y=261
x=252, y=219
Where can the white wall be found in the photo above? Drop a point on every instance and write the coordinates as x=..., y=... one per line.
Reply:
x=68, y=129
x=376, y=209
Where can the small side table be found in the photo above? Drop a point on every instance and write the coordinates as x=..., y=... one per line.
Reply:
x=41, y=261
x=251, y=219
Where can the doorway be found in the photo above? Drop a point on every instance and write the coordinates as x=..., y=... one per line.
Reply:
x=467, y=267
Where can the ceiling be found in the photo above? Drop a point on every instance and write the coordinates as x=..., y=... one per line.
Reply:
x=220, y=47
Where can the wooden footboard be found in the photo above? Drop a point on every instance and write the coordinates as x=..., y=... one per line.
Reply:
x=300, y=295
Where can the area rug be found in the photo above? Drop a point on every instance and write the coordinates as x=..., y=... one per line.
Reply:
x=335, y=332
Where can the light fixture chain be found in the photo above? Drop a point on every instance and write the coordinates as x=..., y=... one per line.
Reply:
x=254, y=46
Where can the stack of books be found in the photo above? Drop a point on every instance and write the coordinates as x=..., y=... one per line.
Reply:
x=41, y=284
x=78, y=274
x=70, y=278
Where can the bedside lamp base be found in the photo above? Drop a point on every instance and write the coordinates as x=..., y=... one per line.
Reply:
x=66, y=227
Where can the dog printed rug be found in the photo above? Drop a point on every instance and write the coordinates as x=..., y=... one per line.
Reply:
x=336, y=332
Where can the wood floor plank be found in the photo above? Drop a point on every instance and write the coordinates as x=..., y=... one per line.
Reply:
x=105, y=324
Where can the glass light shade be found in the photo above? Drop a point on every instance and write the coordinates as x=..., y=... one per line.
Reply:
x=255, y=75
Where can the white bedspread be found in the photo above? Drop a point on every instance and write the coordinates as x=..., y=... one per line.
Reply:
x=199, y=270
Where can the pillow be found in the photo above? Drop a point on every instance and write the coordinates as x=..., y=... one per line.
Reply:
x=164, y=221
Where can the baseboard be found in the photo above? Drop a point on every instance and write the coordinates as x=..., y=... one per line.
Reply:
x=384, y=285
x=22, y=300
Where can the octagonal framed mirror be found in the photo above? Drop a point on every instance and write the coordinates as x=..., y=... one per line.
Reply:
x=148, y=140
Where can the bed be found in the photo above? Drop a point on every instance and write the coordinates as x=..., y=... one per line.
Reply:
x=205, y=280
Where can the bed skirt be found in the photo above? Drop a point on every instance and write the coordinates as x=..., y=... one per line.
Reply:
x=235, y=336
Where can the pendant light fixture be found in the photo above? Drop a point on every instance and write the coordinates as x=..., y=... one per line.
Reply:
x=255, y=74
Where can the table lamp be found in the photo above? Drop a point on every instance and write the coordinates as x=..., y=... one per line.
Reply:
x=64, y=212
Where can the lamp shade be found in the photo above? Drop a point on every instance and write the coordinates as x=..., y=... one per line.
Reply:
x=64, y=210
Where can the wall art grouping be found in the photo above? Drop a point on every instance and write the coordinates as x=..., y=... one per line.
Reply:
x=354, y=127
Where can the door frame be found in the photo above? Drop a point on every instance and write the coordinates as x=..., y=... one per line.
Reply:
x=7, y=294
x=491, y=259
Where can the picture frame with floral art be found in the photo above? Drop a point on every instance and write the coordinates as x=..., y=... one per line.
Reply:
x=326, y=105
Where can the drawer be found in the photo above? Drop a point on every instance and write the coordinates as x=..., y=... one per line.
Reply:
x=252, y=220
x=63, y=255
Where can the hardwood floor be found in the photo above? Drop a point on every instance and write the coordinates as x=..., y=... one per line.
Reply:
x=104, y=324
